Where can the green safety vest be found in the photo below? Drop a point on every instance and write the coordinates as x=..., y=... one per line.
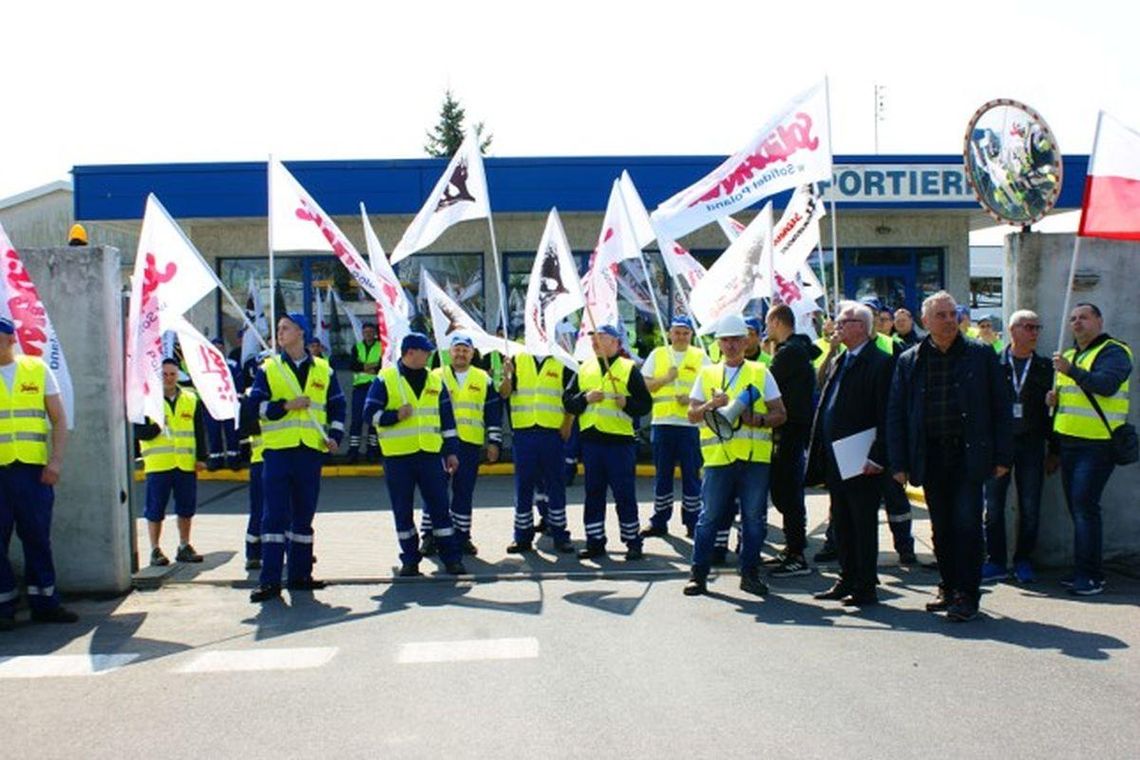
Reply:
x=174, y=448
x=367, y=355
x=748, y=444
x=537, y=399
x=1075, y=414
x=296, y=427
x=467, y=401
x=606, y=415
x=666, y=410
x=421, y=430
x=23, y=416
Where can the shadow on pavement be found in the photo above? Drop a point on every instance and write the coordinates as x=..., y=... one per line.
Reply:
x=406, y=594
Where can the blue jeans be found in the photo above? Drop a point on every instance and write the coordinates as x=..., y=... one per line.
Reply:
x=1029, y=475
x=723, y=484
x=1085, y=469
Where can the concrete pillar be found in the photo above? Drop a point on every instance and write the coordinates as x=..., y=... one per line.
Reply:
x=81, y=290
x=1036, y=274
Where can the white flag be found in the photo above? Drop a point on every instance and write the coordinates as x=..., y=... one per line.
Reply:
x=299, y=224
x=791, y=149
x=250, y=343
x=35, y=335
x=739, y=274
x=638, y=216
x=805, y=276
x=353, y=320
x=617, y=240
x=209, y=371
x=169, y=277
x=321, y=328
x=796, y=235
x=448, y=318
x=681, y=264
x=394, y=310
x=459, y=195
x=600, y=289
x=553, y=292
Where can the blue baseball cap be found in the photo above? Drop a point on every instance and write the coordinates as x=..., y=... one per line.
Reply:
x=459, y=339
x=610, y=330
x=298, y=319
x=754, y=324
x=681, y=320
x=872, y=302
x=7, y=327
x=962, y=311
x=416, y=341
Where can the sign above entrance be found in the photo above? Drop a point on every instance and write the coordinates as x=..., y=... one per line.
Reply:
x=898, y=183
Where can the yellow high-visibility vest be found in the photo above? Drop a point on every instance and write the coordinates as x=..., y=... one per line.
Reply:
x=174, y=448
x=537, y=399
x=1075, y=414
x=23, y=416
x=296, y=427
x=666, y=410
x=366, y=355
x=421, y=430
x=749, y=444
x=467, y=401
x=606, y=415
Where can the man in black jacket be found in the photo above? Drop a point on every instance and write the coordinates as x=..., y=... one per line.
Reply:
x=854, y=400
x=792, y=368
x=949, y=423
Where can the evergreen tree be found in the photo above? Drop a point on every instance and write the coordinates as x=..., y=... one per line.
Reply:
x=444, y=140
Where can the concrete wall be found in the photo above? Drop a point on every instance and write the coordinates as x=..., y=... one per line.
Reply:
x=1037, y=270
x=80, y=288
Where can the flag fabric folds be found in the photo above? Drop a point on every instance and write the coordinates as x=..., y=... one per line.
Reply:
x=793, y=148
x=1111, y=207
x=321, y=322
x=553, y=292
x=459, y=195
x=35, y=334
x=448, y=318
x=209, y=371
x=394, y=309
x=255, y=311
x=738, y=275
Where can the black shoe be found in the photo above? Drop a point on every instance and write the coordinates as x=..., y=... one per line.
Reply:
x=54, y=615
x=213, y=465
x=309, y=584
x=353, y=456
x=520, y=547
x=253, y=563
x=409, y=571
x=634, y=552
x=719, y=557
x=942, y=602
x=469, y=548
x=265, y=593
x=907, y=559
x=777, y=560
x=690, y=530
x=7, y=622
x=187, y=554
x=697, y=585
x=540, y=529
x=564, y=546
x=157, y=558
x=964, y=609
x=591, y=551
x=653, y=531
x=751, y=583
x=826, y=554
x=373, y=456
x=428, y=546
x=861, y=599
x=791, y=567
x=835, y=593
x=455, y=568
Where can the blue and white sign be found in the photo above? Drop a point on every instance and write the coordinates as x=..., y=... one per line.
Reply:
x=898, y=183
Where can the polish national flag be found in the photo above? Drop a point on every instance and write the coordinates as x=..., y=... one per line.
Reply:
x=1111, y=207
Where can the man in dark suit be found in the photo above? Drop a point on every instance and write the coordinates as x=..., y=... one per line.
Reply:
x=949, y=423
x=854, y=399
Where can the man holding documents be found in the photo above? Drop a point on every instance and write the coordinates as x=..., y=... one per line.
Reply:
x=848, y=452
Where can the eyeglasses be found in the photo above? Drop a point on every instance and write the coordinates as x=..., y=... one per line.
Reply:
x=841, y=322
x=1030, y=328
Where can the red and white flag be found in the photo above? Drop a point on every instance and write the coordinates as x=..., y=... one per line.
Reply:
x=35, y=335
x=793, y=148
x=169, y=277
x=600, y=291
x=680, y=264
x=209, y=372
x=394, y=309
x=553, y=292
x=618, y=240
x=299, y=224
x=794, y=245
x=739, y=275
x=321, y=326
x=459, y=195
x=1111, y=207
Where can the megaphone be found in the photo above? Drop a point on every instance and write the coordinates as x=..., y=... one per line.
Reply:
x=725, y=420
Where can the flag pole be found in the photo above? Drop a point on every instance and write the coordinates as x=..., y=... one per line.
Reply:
x=499, y=286
x=834, y=236
x=644, y=266
x=1068, y=293
x=272, y=286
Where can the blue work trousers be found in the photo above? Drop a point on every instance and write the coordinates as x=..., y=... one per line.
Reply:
x=1085, y=470
x=723, y=485
x=403, y=474
x=462, y=491
x=222, y=439
x=26, y=505
x=610, y=465
x=676, y=445
x=256, y=510
x=292, y=483
x=538, y=463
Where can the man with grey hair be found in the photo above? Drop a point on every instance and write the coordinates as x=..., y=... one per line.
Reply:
x=1029, y=378
x=949, y=429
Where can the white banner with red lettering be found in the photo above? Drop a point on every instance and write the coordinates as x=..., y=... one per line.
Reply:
x=35, y=335
x=792, y=149
x=617, y=240
x=208, y=370
x=394, y=309
x=739, y=275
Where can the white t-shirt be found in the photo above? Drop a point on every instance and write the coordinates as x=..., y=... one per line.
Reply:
x=8, y=375
x=771, y=388
x=649, y=369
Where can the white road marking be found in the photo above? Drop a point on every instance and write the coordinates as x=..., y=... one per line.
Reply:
x=62, y=665
x=468, y=651
x=237, y=661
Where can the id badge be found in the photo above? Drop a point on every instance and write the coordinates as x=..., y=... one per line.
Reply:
x=1017, y=410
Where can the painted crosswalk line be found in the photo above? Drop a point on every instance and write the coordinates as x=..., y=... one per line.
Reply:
x=246, y=660
x=468, y=651
x=62, y=665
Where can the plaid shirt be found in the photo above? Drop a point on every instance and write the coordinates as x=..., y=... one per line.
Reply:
x=943, y=413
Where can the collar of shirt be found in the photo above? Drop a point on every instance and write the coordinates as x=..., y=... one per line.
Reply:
x=855, y=351
x=300, y=361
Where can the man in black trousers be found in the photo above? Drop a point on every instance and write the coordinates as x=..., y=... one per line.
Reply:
x=854, y=400
x=949, y=423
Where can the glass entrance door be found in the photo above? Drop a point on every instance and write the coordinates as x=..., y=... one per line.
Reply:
x=894, y=286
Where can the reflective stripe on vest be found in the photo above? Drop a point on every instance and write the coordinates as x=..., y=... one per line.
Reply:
x=749, y=444
x=256, y=449
x=467, y=401
x=1075, y=414
x=174, y=448
x=666, y=410
x=23, y=419
x=537, y=399
x=296, y=427
x=366, y=355
x=420, y=431
x=606, y=415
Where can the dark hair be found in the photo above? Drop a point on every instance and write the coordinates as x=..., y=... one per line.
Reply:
x=782, y=313
x=1092, y=307
x=171, y=362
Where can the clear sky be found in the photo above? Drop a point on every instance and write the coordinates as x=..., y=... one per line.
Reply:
x=139, y=82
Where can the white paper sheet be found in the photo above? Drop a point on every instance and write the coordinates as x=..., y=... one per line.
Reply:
x=851, y=452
